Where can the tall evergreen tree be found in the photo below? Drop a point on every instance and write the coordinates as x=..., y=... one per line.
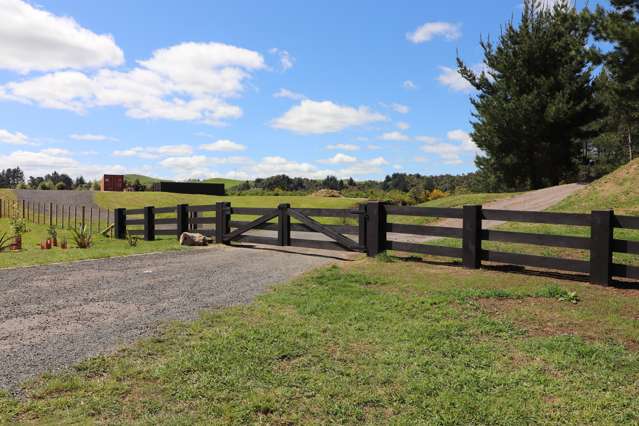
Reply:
x=620, y=27
x=535, y=98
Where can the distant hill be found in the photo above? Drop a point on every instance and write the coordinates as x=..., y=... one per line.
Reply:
x=618, y=190
x=228, y=183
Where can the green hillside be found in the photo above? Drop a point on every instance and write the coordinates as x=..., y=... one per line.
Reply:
x=618, y=190
x=228, y=183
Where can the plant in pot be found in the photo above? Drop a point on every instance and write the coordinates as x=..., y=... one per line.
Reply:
x=19, y=227
x=64, y=244
x=82, y=236
x=53, y=235
x=5, y=241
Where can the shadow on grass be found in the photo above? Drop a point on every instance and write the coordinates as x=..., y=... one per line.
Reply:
x=518, y=269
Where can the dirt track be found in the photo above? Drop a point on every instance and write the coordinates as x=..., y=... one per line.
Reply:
x=538, y=200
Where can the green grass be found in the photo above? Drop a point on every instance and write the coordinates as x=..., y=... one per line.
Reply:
x=103, y=247
x=464, y=199
x=396, y=342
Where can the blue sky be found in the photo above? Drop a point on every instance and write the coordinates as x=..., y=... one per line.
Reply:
x=240, y=89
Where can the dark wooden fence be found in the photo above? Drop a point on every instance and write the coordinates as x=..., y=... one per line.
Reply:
x=58, y=215
x=370, y=228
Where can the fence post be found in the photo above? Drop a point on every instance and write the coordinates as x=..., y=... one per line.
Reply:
x=375, y=228
x=194, y=221
x=119, y=223
x=471, y=251
x=601, y=237
x=149, y=223
x=362, y=226
x=222, y=222
x=50, y=214
x=182, y=219
x=284, y=225
x=23, y=209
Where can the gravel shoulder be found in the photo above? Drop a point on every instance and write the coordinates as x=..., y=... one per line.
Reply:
x=54, y=316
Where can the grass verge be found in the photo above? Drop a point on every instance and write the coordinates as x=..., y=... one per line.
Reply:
x=102, y=247
x=379, y=342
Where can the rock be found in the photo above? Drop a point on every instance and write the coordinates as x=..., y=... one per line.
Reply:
x=192, y=239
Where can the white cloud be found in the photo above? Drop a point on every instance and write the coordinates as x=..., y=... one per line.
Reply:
x=373, y=147
x=91, y=137
x=15, y=138
x=409, y=85
x=32, y=39
x=150, y=153
x=394, y=136
x=285, y=93
x=186, y=82
x=467, y=143
x=45, y=161
x=449, y=77
x=426, y=139
x=223, y=145
x=402, y=125
x=195, y=161
x=339, y=158
x=402, y=109
x=313, y=117
x=286, y=60
x=343, y=147
x=451, y=153
x=429, y=30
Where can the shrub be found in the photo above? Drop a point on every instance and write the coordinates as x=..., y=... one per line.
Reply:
x=60, y=186
x=5, y=241
x=18, y=226
x=132, y=240
x=437, y=193
x=82, y=236
x=44, y=186
x=53, y=233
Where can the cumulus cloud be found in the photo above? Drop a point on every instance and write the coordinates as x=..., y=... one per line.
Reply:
x=343, y=147
x=339, y=158
x=289, y=94
x=451, y=153
x=223, y=145
x=402, y=109
x=409, y=85
x=394, y=136
x=429, y=30
x=185, y=82
x=286, y=60
x=150, y=153
x=15, y=138
x=402, y=125
x=91, y=137
x=426, y=139
x=39, y=163
x=313, y=117
x=32, y=39
x=450, y=78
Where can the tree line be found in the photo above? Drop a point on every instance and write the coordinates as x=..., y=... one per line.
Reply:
x=557, y=99
x=14, y=178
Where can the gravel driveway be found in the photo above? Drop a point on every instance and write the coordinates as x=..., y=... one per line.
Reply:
x=54, y=316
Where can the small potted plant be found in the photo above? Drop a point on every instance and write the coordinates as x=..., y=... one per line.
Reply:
x=53, y=235
x=64, y=244
x=18, y=227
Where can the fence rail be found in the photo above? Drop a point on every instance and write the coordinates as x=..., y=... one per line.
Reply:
x=58, y=215
x=371, y=232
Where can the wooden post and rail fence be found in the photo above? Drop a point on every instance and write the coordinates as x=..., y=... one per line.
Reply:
x=367, y=228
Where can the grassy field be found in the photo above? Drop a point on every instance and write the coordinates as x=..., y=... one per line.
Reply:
x=373, y=342
x=144, y=180
x=31, y=254
x=228, y=183
x=464, y=199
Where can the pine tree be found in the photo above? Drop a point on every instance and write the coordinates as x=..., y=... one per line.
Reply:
x=535, y=99
x=620, y=27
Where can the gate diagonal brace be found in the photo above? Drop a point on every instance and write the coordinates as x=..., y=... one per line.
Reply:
x=318, y=227
x=257, y=222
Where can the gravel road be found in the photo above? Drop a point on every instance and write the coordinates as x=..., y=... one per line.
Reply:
x=54, y=316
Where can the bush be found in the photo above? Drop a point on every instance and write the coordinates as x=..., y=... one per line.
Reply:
x=60, y=186
x=44, y=186
x=82, y=236
x=436, y=194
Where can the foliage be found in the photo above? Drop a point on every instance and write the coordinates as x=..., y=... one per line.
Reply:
x=52, y=232
x=11, y=178
x=132, y=240
x=18, y=226
x=5, y=241
x=535, y=98
x=82, y=236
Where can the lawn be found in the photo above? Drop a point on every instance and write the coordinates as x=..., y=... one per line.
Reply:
x=31, y=254
x=401, y=342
